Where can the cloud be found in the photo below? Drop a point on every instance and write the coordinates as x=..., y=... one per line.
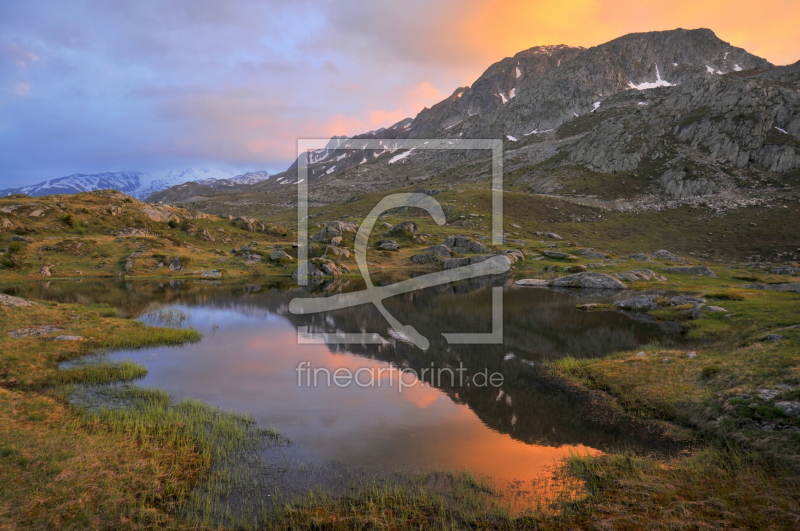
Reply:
x=100, y=85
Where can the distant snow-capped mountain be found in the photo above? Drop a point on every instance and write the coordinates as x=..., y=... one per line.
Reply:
x=137, y=184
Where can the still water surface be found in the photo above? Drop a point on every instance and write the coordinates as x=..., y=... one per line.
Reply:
x=248, y=358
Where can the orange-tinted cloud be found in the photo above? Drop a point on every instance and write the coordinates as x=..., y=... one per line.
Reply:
x=504, y=27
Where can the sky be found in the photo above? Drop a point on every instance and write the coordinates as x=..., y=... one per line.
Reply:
x=89, y=86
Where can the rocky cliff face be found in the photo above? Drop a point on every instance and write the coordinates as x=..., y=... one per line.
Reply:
x=648, y=117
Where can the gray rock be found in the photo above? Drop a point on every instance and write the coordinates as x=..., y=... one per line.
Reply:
x=716, y=309
x=34, y=331
x=639, y=256
x=784, y=270
x=338, y=252
x=388, y=245
x=312, y=273
x=773, y=337
x=691, y=355
x=45, y=271
x=789, y=408
x=68, y=338
x=663, y=254
x=680, y=300
x=336, y=240
x=404, y=228
x=452, y=263
x=334, y=229
x=439, y=250
x=786, y=286
x=639, y=303
x=701, y=271
x=552, y=235
x=589, y=280
x=278, y=254
x=175, y=264
x=591, y=253
x=479, y=247
x=205, y=235
x=531, y=282
x=552, y=269
x=638, y=275
x=213, y=273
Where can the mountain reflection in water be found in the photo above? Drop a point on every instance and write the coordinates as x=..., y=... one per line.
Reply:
x=248, y=358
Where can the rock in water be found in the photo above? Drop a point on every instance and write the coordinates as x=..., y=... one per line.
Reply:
x=639, y=303
x=588, y=280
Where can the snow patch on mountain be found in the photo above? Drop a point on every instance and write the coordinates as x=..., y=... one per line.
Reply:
x=651, y=84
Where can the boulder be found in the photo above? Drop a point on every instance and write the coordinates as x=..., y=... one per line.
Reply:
x=452, y=263
x=681, y=300
x=334, y=229
x=175, y=264
x=251, y=258
x=701, y=271
x=157, y=214
x=531, y=282
x=278, y=254
x=663, y=254
x=338, y=252
x=214, y=273
x=6, y=223
x=404, y=228
x=552, y=235
x=638, y=256
x=514, y=255
x=205, y=235
x=716, y=309
x=314, y=274
x=591, y=253
x=636, y=275
x=45, y=271
x=329, y=268
x=558, y=255
x=639, y=303
x=789, y=408
x=439, y=250
x=132, y=231
x=68, y=338
x=8, y=300
x=34, y=331
x=479, y=247
x=388, y=245
x=336, y=240
x=784, y=270
x=773, y=337
x=785, y=286
x=590, y=280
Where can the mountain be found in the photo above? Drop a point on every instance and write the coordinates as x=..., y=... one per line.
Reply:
x=128, y=182
x=201, y=188
x=137, y=184
x=532, y=94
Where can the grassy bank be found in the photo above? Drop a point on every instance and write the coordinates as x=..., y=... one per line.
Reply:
x=103, y=468
x=728, y=389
